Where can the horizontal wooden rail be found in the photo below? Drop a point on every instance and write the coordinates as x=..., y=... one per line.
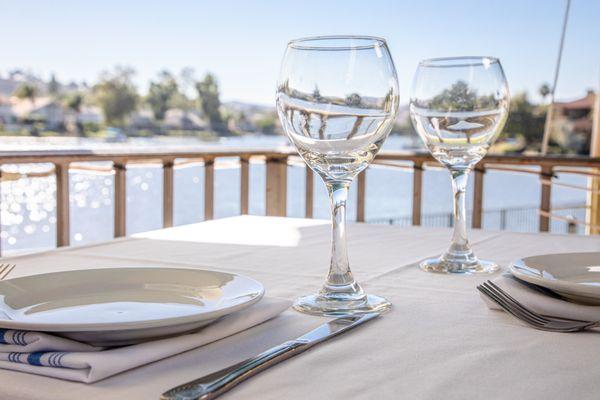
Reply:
x=277, y=160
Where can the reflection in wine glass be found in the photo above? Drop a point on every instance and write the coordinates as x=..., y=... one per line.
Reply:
x=458, y=107
x=337, y=99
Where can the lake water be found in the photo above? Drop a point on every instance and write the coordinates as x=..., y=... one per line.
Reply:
x=28, y=214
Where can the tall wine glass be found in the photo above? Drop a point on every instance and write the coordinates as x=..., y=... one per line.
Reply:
x=337, y=98
x=459, y=106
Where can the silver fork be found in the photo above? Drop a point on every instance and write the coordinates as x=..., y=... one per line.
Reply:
x=530, y=317
x=6, y=269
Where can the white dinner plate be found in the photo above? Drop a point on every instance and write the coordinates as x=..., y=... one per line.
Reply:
x=115, y=306
x=575, y=276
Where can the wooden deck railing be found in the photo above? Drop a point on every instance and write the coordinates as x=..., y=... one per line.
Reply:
x=276, y=179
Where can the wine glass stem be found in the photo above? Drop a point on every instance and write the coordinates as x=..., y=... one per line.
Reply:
x=460, y=243
x=340, y=277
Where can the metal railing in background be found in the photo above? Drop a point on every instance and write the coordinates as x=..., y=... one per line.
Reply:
x=276, y=161
x=519, y=219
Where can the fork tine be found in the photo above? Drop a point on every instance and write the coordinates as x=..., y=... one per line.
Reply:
x=514, y=312
x=5, y=270
x=514, y=302
x=502, y=305
x=551, y=324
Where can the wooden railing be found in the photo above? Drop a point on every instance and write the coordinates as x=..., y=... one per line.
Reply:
x=276, y=179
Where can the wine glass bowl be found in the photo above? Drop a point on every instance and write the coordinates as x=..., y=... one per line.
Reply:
x=337, y=98
x=458, y=107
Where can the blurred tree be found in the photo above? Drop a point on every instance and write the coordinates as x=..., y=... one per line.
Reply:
x=116, y=95
x=353, y=100
x=210, y=104
x=316, y=95
x=266, y=124
x=544, y=91
x=460, y=97
x=27, y=91
x=73, y=102
x=161, y=94
x=53, y=86
x=525, y=119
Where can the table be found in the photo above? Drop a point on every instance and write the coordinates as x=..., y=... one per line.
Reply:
x=439, y=341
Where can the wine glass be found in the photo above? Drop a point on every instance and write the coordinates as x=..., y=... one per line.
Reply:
x=337, y=98
x=458, y=106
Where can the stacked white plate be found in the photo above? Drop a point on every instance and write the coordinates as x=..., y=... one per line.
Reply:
x=575, y=276
x=117, y=306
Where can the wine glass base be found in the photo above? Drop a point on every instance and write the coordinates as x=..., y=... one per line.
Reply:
x=317, y=304
x=441, y=266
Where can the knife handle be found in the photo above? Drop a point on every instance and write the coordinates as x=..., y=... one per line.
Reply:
x=213, y=385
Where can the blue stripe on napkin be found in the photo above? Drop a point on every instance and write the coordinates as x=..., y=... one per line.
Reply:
x=3, y=336
x=36, y=358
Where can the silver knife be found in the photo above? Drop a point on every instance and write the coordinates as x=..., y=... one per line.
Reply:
x=217, y=383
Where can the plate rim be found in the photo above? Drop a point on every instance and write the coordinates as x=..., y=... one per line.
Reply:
x=131, y=325
x=521, y=270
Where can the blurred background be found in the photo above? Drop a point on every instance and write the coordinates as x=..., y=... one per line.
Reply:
x=88, y=75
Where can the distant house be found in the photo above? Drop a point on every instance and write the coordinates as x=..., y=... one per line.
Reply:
x=142, y=120
x=44, y=109
x=241, y=124
x=7, y=116
x=176, y=118
x=8, y=86
x=90, y=115
x=574, y=122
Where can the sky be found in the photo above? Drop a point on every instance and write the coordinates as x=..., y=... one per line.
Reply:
x=242, y=41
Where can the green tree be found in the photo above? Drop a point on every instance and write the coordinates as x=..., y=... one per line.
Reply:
x=457, y=98
x=544, y=90
x=161, y=94
x=525, y=119
x=460, y=97
x=316, y=95
x=27, y=91
x=210, y=104
x=353, y=100
x=116, y=95
x=267, y=124
x=74, y=102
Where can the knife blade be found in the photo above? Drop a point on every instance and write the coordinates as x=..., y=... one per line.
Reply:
x=217, y=383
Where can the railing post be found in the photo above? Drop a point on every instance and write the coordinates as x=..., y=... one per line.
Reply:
x=63, y=230
x=308, y=194
x=417, y=192
x=276, y=195
x=0, y=213
x=361, y=196
x=478, y=197
x=593, y=200
x=244, y=185
x=546, y=180
x=168, y=193
x=209, y=188
x=120, y=199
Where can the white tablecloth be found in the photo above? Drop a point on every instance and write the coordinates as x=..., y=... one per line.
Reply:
x=439, y=341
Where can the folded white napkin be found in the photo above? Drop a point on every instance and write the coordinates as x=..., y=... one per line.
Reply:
x=541, y=302
x=48, y=355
